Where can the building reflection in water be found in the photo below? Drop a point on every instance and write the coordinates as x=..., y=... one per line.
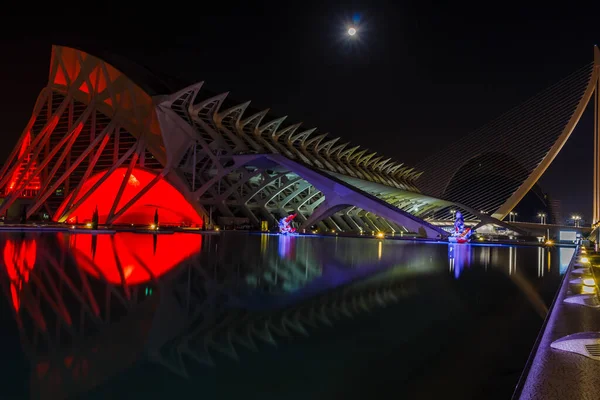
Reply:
x=19, y=258
x=541, y=256
x=286, y=246
x=459, y=257
x=484, y=256
x=94, y=304
x=565, y=254
x=512, y=260
x=89, y=306
x=83, y=303
x=131, y=258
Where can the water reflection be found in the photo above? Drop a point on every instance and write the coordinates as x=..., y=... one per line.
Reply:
x=94, y=304
x=130, y=258
x=459, y=256
x=485, y=255
x=565, y=254
x=512, y=260
x=542, y=260
x=19, y=259
x=286, y=246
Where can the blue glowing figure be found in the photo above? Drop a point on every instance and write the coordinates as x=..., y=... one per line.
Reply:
x=285, y=227
x=460, y=234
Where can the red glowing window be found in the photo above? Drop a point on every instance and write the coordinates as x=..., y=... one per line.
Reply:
x=84, y=88
x=59, y=78
x=173, y=208
x=34, y=184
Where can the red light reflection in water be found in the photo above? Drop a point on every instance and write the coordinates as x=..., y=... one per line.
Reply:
x=19, y=258
x=130, y=258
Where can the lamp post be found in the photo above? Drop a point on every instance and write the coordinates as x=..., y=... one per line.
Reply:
x=576, y=220
x=512, y=216
x=542, y=217
x=453, y=213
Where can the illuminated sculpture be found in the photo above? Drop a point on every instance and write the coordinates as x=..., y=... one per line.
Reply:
x=460, y=234
x=284, y=225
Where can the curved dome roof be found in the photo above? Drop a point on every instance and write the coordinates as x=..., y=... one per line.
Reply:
x=152, y=82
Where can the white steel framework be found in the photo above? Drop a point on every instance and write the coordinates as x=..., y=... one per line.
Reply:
x=226, y=161
x=502, y=161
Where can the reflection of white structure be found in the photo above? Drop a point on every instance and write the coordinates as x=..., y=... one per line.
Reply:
x=77, y=314
x=565, y=254
x=249, y=330
x=283, y=270
x=512, y=260
x=541, y=267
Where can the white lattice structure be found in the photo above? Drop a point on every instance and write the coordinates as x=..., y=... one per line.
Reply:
x=501, y=162
x=122, y=143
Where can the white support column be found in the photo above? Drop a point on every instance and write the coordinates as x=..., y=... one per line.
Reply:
x=596, y=197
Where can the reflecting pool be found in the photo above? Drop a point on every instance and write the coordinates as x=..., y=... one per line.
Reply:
x=258, y=315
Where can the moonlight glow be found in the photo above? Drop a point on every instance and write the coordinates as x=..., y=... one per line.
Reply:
x=351, y=31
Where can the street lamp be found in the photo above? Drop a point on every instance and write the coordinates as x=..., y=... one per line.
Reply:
x=576, y=219
x=453, y=213
x=512, y=216
x=542, y=217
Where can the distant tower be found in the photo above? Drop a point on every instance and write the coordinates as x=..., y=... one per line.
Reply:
x=556, y=211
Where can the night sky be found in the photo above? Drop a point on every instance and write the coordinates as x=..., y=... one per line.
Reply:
x=419, y=78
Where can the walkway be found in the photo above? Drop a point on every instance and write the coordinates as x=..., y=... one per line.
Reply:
x=557, y=374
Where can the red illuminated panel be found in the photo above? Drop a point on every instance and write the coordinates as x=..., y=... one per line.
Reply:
x=173, y=208
x=132, y=258
x=34, y=184
x=84, y=88
x=19, y=259
x=60, y=79
x=98, y=80
x=71, y=62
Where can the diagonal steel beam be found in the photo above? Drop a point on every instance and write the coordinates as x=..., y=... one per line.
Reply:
x=102, y=137
x=66, y=151
x=20, y=186
x=106, y=137
x=125, y=180
x=11, y=158
x=100, y=182
x=138, y=195
x=40, y=140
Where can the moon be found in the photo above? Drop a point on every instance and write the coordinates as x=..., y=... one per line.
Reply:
x=351, y=31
